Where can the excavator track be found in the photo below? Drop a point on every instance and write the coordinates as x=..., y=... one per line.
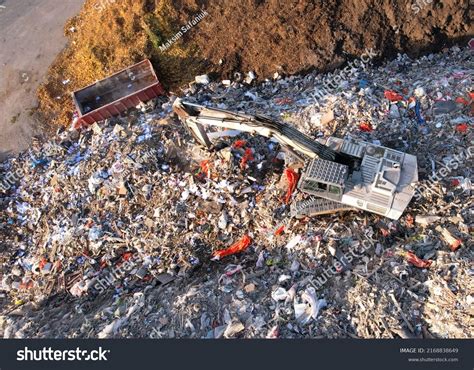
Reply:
x=317, y=206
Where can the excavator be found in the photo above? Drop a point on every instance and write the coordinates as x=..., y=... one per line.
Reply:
x=339, y=174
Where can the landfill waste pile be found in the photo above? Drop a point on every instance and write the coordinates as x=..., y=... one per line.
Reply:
x=130, y=229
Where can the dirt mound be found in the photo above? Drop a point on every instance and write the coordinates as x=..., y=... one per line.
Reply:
x=240, y=36
x=269, y=36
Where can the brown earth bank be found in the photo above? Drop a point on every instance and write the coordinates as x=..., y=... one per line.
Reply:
x=287, y=37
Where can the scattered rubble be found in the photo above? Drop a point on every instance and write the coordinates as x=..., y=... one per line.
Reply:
x=111, y=231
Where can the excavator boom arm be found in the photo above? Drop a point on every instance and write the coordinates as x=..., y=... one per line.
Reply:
x=196, y=116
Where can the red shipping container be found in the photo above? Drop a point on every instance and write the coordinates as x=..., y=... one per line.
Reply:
x=117, y=93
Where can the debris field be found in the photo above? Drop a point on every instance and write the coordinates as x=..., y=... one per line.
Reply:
x=130, y=229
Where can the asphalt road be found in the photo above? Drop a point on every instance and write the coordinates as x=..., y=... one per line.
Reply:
x=31, y=35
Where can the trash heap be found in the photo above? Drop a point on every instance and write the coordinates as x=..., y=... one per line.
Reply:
x=129, y=229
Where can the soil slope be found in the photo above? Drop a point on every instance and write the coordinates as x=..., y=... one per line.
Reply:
x=240, y=36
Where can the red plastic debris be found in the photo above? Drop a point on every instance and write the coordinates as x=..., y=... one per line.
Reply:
x=409, y=220
x=42, y=263
x=471, y=95
x=455, y=182
x=385, y=232
x=248, y=156
x=283, y=101
x=280, y=230
x=237, y=247
x=366, y=127
x=462, y=127
x=416, y=261
x=239, y=144
x=455, y=245
x=127, y=255
x=392, y=96
x=26, y=286
x=461, y=100
x=205, y=167
x=292, y=177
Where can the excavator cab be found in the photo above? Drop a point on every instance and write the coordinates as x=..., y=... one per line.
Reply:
x=324, y=179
